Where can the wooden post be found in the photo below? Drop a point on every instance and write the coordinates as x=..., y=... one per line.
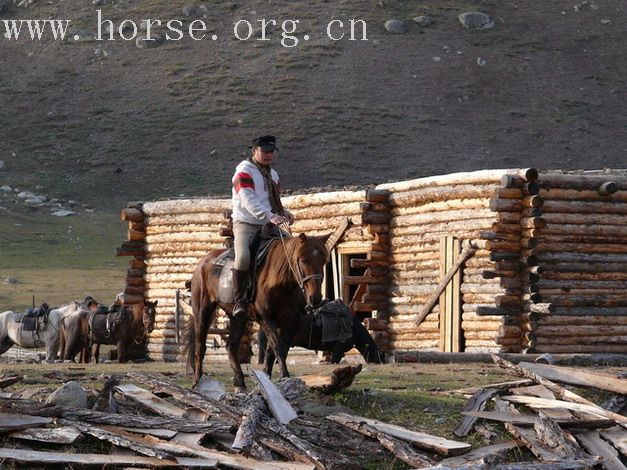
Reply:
x=450, y=300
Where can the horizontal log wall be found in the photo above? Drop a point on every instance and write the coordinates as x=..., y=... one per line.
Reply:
x=484, y=205
x=582, y=253
x=169, y=238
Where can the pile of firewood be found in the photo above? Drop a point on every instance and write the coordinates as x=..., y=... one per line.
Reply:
x=283, y=426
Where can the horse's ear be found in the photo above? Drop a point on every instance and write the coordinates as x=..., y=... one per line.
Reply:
x=156, y=302
x=303, y=237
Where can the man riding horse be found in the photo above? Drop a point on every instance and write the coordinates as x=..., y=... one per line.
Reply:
x=256, y=201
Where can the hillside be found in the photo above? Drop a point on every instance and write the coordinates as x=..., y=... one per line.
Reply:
x=106, y=122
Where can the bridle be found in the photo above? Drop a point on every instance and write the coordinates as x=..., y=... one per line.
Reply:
x=146, y=323
x=297, y=272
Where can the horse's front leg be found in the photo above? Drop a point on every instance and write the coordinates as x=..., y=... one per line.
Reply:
x=96, y=352
x=52, y=349
x=277, y=344
x=121, y=351
x=268, y=359
x=237, y=327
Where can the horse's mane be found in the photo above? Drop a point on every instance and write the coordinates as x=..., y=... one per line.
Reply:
x=310, y=249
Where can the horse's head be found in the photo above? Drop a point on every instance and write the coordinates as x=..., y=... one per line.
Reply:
x=148, y=316
x=310, y=256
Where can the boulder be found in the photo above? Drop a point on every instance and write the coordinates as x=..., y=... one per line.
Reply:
x=195, y=11
x=70, y=394
x=63, y=213
x=423, y=20
x=6, y=189
x=25, y=195
x=476, y=20
x=2, y=164
x=395, y=26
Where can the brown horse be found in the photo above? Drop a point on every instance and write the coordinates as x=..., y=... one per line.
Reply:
x=290, y=279
x=128, y=327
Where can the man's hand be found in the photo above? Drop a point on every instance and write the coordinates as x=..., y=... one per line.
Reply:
x=277, y=219
x=289, y=216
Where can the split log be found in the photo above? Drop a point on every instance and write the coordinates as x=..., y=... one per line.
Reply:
x=120, y=440
x=592, y=442
x=34, y=457
x=476, y=403
x=528, y=420
x=403, y=451
x=58, y=435
x=559, y=441
x=340, y=378
x=466, y=253
x=17, y=422
x=617, y=436
x=491, y=454
x=593, y=409
x=244, y=438
x=422, y=440
x=579, y=377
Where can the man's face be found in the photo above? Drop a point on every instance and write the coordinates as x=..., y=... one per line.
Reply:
x=262, y=156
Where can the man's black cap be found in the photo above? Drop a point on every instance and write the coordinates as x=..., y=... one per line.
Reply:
x=266, y=142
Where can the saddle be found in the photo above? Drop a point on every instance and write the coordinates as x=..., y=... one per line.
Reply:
x=105, y=321
x=35, y=319
x=259, y=247
x=335, y=320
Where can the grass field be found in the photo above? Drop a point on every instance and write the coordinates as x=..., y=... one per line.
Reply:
x=59, y=259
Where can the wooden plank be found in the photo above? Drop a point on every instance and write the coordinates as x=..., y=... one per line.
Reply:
x=441, y=291
x=456, y=306
x=543, y=392
x=399, y=448
x=8, y=381
x=560, y=391
x=335, y=237
x=279, y=406
x=466, y=253
x=558, y=440
x=499, y=386
x=587, y=464
x=536, y=402
x=60, y=435
x=150, y=400
x=617, y=437
x=17, y=422
x=97, y=460
x=592, y=442
x=529, y=419
x=492, y=452
x=422, y=440
x=574, y=376
x=476, y=403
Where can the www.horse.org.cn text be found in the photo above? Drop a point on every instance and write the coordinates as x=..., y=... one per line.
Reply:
x=288, y=32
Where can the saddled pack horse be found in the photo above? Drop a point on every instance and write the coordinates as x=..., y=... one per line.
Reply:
x=125, y=327
x=346, y=332
x=289, y=279
x=35, y=329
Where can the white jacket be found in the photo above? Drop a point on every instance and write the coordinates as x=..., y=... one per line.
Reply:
x=250, y=197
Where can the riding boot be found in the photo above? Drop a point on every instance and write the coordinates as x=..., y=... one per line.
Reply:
x=240, y=293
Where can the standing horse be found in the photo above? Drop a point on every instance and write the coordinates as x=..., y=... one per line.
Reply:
x=290, y=278
x=12, y=332
x=125, y=327
x=309, y=335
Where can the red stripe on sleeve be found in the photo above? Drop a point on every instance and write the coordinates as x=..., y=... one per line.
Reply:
x=243, y=180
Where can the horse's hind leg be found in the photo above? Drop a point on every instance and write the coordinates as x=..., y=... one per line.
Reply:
x=203, y=320
x=237, y=327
